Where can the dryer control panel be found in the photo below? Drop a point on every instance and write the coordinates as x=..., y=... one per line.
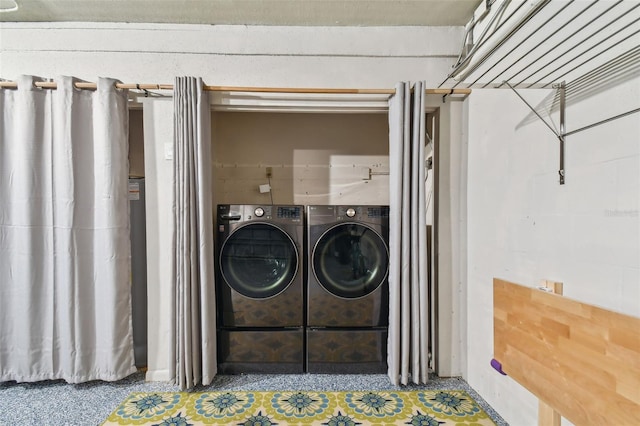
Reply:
x=290, y=212
x=230, y=213
x=361, y=212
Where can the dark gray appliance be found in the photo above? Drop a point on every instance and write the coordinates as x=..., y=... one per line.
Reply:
x=260, y=288
x=347, y=289
x=138, y=234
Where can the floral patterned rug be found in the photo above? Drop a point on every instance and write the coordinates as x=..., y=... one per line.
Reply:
x=419, y=408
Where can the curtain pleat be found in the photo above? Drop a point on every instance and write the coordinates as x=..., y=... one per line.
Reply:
x=419, y=238
x=408, y=352
x=194, y=284
x=65, y=301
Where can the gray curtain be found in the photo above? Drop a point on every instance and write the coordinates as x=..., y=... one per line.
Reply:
x=195, y=326
x=408, y=356
x=64, y=233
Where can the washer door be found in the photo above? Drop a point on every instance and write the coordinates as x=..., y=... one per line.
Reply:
x=259, y=260
x=350, y=260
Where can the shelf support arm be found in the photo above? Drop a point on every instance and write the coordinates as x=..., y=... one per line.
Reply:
x=560, y=136
x=562, y=89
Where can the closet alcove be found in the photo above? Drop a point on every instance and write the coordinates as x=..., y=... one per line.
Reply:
x=320, y=149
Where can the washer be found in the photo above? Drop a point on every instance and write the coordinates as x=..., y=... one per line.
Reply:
x=347, y=289
x=260, y=288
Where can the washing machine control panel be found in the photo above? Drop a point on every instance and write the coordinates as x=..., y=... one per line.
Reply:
x=382, y=211
x=292, y=212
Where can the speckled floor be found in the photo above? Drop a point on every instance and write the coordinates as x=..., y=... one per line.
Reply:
x=59, y=403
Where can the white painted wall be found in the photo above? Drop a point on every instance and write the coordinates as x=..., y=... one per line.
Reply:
x=159, y=185
x=360, y=57
x=523, y=226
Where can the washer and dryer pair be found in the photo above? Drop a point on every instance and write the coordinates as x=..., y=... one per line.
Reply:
x=302, y=292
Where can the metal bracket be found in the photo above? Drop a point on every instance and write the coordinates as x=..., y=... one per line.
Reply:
x=562, y=89
x=561, y=135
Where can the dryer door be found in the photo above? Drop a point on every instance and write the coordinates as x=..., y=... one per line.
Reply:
x=350, y=260
x=259, y=260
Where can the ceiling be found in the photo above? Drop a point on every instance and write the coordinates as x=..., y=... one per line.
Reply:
x=246, y=12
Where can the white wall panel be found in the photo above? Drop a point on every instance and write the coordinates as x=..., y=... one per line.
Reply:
x=236, y=40
x=230, y=55
x=279, y=71
x=160, y=224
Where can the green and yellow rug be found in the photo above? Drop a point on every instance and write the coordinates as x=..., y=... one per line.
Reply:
x=423, y=408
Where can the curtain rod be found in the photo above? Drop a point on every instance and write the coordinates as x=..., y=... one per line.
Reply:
x=136, y=86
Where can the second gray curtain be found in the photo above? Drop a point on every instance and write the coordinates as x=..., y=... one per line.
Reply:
x=408, y=352
x=195, y=309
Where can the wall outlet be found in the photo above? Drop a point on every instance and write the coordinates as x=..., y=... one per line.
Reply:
x=269, y=172
x=168, y=151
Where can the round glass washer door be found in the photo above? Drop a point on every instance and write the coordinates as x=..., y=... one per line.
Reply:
x=259, y=260
x=350, y=260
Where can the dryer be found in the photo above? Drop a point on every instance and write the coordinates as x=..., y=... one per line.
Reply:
x=259, y=285
x=347, y=289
